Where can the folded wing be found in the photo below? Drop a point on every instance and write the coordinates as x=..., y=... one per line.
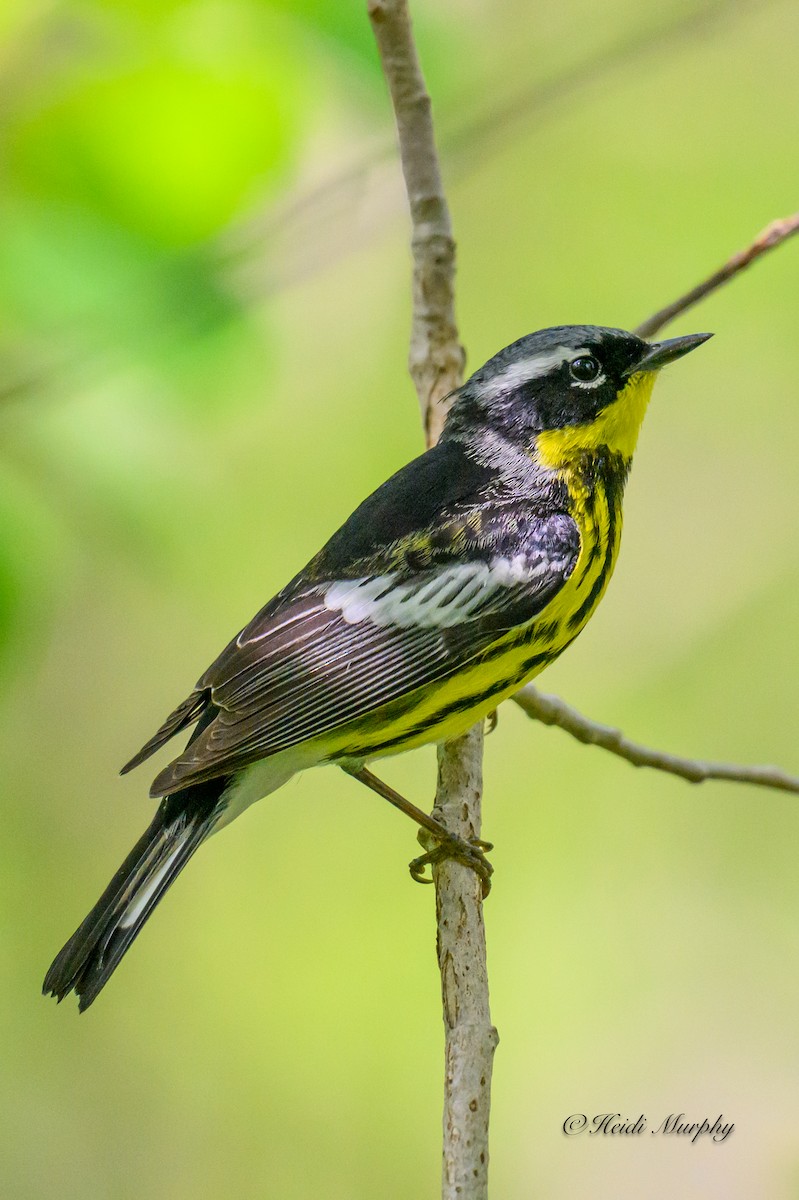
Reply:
x=329, y=651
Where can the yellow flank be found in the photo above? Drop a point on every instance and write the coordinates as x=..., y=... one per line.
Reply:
x=438, y=713
x=589, y=579
x=442, y=711
x=617, y=427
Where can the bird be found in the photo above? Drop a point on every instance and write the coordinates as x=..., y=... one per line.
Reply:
x=459, y=579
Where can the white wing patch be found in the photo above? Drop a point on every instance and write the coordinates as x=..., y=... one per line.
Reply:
x=453, y=595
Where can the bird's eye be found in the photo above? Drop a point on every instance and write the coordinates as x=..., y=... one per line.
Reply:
x=584, y=369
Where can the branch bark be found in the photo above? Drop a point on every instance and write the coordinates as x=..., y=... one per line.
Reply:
x=436, y=363
x=551, y=710
x=436, y=358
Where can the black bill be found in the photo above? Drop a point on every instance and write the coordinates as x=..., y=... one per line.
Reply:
x=660, y=353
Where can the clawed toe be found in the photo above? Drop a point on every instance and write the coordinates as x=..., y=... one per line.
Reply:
x=470, y=853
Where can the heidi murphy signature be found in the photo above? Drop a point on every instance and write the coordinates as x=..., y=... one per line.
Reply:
x=674, y=1125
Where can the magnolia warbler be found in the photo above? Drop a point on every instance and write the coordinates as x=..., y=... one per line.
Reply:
x=453, y=584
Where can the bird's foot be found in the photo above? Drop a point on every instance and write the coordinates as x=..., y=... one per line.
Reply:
x=445, y=845
x=471, y=853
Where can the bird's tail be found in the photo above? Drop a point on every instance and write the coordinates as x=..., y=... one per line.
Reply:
x=97, y=946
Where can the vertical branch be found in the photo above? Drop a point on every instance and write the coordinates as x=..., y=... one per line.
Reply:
x=471, y=1039
x=436, y=357
x=436, y=362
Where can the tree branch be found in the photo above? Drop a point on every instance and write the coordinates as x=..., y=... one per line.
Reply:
x=551, y=710
x=772, y=236
x=436, y=364
x=436, y=356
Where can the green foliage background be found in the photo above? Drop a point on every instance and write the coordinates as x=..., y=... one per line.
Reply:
x=202, y=370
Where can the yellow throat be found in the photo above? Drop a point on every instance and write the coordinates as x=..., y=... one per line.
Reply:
x=617, y=427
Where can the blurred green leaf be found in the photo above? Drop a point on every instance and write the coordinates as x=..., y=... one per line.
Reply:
x=168, y=151
x=105, y=299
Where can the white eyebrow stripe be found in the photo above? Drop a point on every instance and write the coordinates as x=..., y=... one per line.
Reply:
x=527, y=369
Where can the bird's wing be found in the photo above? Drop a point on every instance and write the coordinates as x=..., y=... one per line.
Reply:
x=328, y=651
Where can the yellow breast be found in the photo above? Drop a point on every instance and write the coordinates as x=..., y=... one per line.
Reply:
x=449, y=708
x=592, y=461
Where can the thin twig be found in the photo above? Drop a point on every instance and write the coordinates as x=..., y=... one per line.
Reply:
x=551, y=710
x=772, y=236
x=436, y=364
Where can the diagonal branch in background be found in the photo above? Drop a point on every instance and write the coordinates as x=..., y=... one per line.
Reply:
x=436, y=364
x=768, y=239
x=551, y=710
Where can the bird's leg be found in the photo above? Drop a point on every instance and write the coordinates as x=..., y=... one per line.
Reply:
x=450, y=845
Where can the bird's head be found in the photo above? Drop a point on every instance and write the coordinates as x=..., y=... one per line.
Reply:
x=562, y=392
